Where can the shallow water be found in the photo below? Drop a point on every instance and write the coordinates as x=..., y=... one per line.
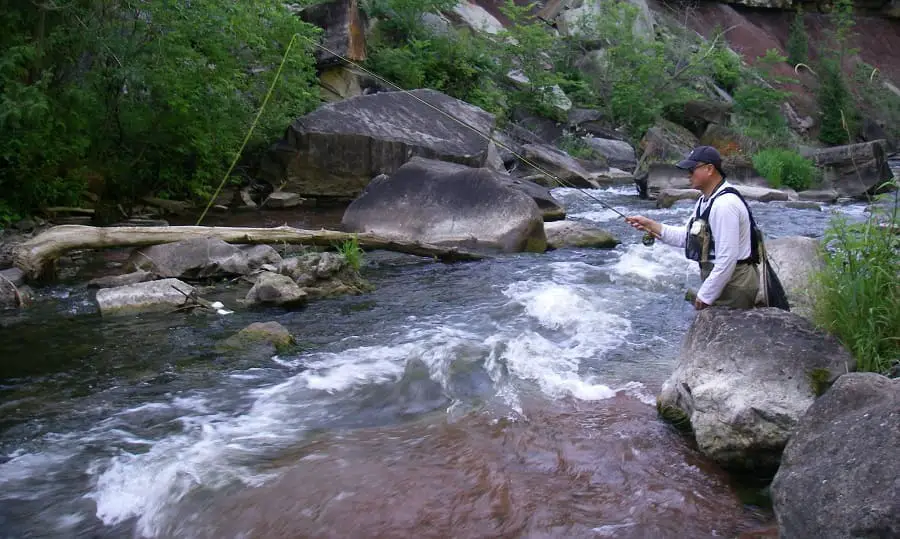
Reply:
x=511, y=397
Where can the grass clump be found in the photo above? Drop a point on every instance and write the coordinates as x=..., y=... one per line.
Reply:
x=352, y=253
x=785, y=168
x=858, y=289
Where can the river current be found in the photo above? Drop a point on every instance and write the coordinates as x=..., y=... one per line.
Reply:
x=511, y=397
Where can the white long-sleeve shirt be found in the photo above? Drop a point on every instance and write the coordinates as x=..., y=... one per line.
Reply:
x=729, y=223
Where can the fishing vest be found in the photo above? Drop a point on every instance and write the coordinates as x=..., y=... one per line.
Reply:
x=699, y=245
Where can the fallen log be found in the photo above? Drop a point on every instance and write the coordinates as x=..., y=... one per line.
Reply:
x=36, y=256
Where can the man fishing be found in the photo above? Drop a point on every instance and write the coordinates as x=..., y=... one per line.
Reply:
x=719, y=235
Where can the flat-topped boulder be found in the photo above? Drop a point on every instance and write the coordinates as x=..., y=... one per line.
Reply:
x=854, y=170
x=433, y=202
x=334, y=151
x=744, y=379
x=161, y=295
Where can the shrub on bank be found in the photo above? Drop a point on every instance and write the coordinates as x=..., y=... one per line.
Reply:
x=785, y=168
x=858, y=290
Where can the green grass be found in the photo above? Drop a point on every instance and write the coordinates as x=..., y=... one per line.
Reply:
x=785, y=167
x=352, y=252
x=858, y=290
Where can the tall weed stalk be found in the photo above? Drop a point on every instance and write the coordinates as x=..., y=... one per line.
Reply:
x=858, y=289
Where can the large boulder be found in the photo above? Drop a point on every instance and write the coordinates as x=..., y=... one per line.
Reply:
x=334, y=151
x=162, y=295
x=796, y=260
x=429, y=201
x=618, y=153
x=580, y=21
x=854, y=170
x=663, y=145
x=743, y=380
x=203, y=258
x=840, y=472
x=562, y=165
x=562, y=234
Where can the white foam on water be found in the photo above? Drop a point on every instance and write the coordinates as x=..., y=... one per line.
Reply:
x=562, y=326
x=597, y=216
x=214, y=450
x=658, y=262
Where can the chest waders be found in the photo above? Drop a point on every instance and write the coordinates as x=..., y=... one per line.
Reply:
x=699, y=246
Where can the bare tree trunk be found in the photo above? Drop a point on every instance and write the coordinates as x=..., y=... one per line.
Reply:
x=35, y=257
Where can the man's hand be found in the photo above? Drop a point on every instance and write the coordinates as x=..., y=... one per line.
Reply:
x=645, y=224
x=699, y=305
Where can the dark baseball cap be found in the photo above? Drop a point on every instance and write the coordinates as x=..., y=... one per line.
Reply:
x=702, y=155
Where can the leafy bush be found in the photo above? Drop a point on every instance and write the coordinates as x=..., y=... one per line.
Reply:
x=785, y=167
x=857, y=295
x=140, y=97
x=726, y=65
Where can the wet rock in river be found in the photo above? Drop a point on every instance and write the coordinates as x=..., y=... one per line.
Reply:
x=161, y=295
x=562, y=234
x=745, y=377
x=203, y=258
x=432, y=202
x=270, y=335
x=840, y=475
x=113, y=281
x=275, y=289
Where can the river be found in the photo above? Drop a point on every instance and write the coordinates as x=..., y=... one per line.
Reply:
x=512, y=397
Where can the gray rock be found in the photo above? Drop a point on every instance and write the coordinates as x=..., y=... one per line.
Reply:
x=743, y=380
x=271, y=335
x=796, y=259
x=562, y=234
x=13, y=275
x=618, y=153
x=162, y=295
x=820, y=195
x=668, y=197
x=840, y=475
x=560, y=164
x=854, y=170
x=282, y=199
x=275, y=289
x=329, y=265
x=551, y=209
x=334, y=151
x=113, y=281
x=762, y=194
x=803, y=205
x=203, y=258
x=435, y=202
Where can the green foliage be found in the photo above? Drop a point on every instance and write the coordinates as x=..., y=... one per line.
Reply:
x=785, y=167
x=400, y=21
x=757, y=104
x=836, y=105
x=798, y=42
x=457, y=65
x=137, y=97
x=857, y=295
x=726, y=65
x=352, y=253
x=576, y=147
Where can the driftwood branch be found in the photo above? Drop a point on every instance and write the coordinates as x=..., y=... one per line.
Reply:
x=36, y=256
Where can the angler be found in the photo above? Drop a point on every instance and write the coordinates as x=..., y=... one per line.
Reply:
x=721, y=236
